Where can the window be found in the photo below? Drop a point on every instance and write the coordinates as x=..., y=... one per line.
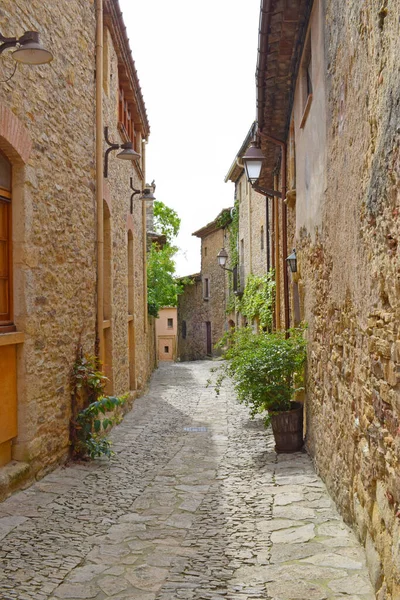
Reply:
x=242, y=251
x=6, y=312
x=170, y=323
x=206, y=288
x=125, y=117
x=262, y=237
x=166, y=349
x=184, y=330
x=306, y=82
x=205, y=251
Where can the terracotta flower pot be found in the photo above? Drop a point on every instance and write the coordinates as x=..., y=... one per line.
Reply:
x=287, y=427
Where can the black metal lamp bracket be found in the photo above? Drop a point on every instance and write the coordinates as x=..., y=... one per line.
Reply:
x=135, y=191
x=107, y=152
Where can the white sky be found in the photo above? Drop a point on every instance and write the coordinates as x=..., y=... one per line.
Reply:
x=196, y=63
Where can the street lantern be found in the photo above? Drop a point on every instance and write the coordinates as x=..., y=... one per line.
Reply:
x=222, y=257
x=128, y=153
x=292, y=261
x=29, y=49
x=253, y=160
x=147, y=194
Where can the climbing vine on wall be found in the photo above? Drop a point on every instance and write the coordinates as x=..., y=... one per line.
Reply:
x=233, y=230
x=257, y=301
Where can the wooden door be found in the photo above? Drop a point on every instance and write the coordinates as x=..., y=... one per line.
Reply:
x=208, y=338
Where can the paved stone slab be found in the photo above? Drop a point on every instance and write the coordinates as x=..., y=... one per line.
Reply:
x=195, y=505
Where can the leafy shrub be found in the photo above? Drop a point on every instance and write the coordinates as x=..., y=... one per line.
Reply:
x=266, y=368
x=88, y=405
x=89, y=424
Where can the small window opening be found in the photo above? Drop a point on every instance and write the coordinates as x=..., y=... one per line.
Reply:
x=206, y=288
x=170, y=323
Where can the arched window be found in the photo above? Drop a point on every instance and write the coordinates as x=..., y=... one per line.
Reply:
x=6, y=308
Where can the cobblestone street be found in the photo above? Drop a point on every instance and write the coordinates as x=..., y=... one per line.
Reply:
x=195, y=504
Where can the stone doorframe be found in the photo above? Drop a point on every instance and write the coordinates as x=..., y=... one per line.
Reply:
x=16, y=145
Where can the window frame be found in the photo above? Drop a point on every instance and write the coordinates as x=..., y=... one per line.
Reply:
x=7, y=324
x=170, y=323
x=206, y=288
x=125, y=121
x=306, y=79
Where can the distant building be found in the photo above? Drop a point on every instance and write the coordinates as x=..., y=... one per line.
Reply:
x=166, y=332
x=202, y=318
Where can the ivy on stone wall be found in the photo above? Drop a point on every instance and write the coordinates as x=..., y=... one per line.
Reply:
x=258, y=299
x=233, y=230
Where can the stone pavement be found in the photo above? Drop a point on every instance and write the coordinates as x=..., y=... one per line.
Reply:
x=195, y=504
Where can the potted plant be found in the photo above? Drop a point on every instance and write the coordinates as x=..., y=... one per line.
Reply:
x=267, y=371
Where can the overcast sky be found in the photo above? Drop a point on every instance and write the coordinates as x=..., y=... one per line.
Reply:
x=196, y=63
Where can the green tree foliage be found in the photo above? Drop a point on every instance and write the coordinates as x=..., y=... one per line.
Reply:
x=166, y=220
x=162, y=286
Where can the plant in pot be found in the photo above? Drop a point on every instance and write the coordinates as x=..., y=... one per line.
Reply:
x=267, y=371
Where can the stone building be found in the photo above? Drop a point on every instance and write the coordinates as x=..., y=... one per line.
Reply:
x=202, y=306
x=254, y=243
x=73, y=243
x=328, y=89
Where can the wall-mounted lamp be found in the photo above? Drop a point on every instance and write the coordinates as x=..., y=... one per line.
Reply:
x=222, y=257
x=253, y=160
x=292, y=261
x=128, y=153
x=29, y=49
x=146, y=194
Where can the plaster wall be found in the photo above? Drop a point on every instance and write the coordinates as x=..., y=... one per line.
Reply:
x=310, y=133
x=168, y=312
x=167, y=336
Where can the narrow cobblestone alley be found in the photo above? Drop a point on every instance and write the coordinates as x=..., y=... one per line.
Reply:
x=195, y=504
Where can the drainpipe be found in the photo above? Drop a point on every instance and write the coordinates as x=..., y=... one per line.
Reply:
x=99, y=175
x=277, y=261
x=250, y=237
x=144, y=226
x=284, y=224
x=267, y=233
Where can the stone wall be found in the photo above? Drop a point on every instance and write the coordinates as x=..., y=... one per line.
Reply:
x=252, y=225
x=54, y=218
x=118, y=195
x=47, y=130
x=196, y=309
x=349, y=280
x=192, y=345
